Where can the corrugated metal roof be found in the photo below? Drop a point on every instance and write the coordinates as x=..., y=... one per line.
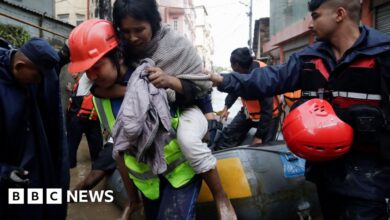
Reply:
x=35, y=12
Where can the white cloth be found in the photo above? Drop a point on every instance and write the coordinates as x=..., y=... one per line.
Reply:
x=85, y=85
x=192, y=128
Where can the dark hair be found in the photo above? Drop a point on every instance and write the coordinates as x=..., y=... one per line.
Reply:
x=114, y=55
x=242, y=56
x=142, y=10
x=352, y=6
x=315, y=4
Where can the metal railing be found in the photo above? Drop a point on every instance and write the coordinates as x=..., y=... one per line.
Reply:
x=33, y=25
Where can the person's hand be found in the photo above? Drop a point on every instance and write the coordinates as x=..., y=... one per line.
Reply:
x=256, y=141
x=159, y=78
x=64, y=53
x=216, y=78
x=224, y=114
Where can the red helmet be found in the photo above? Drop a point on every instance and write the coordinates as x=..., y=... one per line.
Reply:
x=314, y=132
x=88, y=42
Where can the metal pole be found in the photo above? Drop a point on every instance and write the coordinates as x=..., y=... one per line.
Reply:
x=87, y=9
x=250, y=24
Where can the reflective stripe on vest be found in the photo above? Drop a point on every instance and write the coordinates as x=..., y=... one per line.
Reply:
x=178, y=173
x=104, y=111
x=359, y=78
x=149, y=174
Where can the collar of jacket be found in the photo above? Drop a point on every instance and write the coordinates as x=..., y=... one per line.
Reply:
x=370, y=43
x=5, y=64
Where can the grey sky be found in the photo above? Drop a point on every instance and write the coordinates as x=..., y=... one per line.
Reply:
x=230, y=25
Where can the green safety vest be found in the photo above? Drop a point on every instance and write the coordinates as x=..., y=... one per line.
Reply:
x=178, y=172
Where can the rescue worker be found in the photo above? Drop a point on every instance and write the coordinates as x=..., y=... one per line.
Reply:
x=178, y=187
x=139, y=26
x=33, y=152
x=82, y=119
x=262, y=113
x=349, y=67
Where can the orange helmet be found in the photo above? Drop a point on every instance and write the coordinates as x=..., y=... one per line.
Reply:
x=88, y=42
x=314, y=132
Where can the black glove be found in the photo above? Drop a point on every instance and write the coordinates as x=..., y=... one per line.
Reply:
x=64, y=54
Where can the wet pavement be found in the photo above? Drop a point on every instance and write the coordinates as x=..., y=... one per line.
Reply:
x=88, y=211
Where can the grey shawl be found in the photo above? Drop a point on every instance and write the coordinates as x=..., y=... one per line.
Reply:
x=176, y=56
x=143, y=123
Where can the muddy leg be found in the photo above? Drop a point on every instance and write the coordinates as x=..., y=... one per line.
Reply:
x=225, y=210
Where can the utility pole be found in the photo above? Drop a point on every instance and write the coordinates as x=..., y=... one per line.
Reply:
x=87, y=9
x=250, y=21
x=250, y=24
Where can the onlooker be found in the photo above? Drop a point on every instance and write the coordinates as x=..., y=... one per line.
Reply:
x=33, y=153
x=82, y=119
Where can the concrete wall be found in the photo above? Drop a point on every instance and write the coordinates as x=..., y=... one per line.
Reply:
x=203, y=41
x=180, y=14
x=72, y=11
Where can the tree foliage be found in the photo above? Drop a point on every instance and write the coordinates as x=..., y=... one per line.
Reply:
x=17, y=36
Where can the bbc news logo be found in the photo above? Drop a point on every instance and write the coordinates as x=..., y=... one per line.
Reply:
x=54, y=196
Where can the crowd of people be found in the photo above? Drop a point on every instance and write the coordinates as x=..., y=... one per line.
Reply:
x=152, y=97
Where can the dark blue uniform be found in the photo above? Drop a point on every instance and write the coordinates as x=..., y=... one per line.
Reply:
x=32, y=132
x=357, y=185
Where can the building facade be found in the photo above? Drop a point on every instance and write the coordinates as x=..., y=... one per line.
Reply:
x=260, y=36
x=180, y=15
x=289, y=31
x=204, y=41
x=75, y=11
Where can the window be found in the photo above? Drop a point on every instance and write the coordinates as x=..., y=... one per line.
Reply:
x=79, y=18
x=63, y=17
x=175, y=24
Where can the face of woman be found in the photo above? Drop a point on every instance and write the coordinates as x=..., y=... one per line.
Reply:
x=103, y=73
x=137, y=33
